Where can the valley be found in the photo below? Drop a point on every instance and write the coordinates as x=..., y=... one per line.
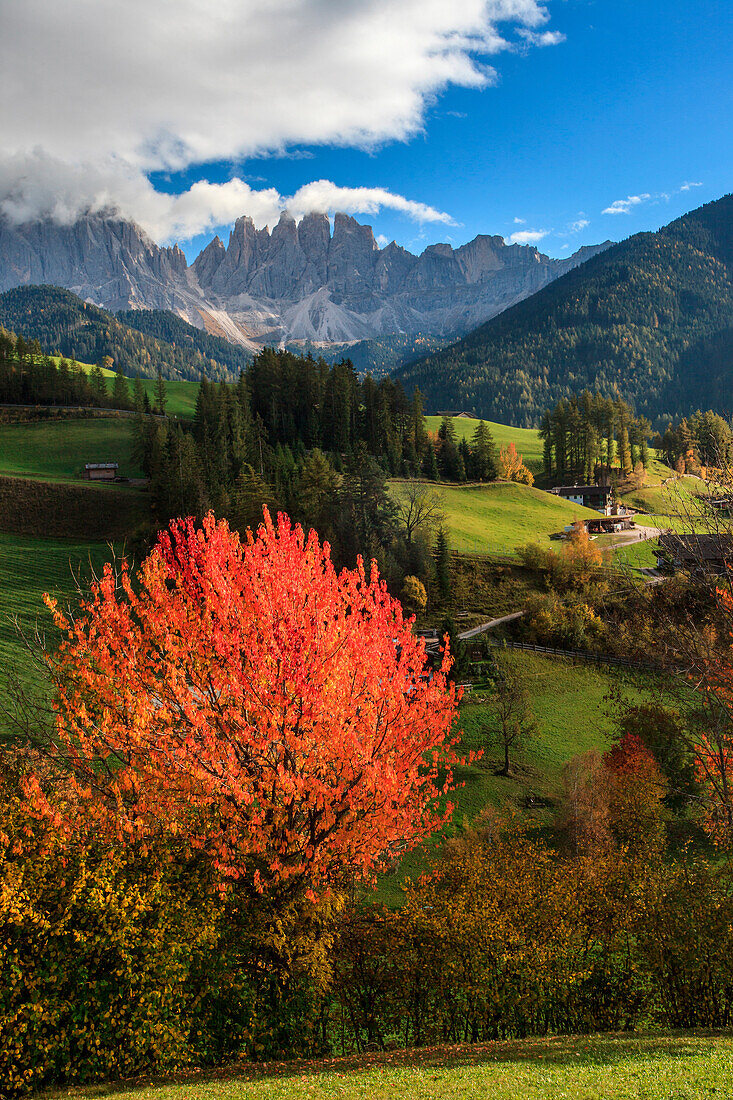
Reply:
x=457, y=513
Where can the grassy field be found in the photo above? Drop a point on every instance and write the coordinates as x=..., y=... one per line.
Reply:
x=636, y=555
x=683, y=1066
x=57, y=450
x=526, y=440
x=569, y=703
x=28, y=568
x=498, y=517
x=181, y=396
x=666, y=498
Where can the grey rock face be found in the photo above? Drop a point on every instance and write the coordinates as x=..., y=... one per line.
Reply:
x=298, y=282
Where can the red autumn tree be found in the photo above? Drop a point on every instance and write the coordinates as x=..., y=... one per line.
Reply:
x=253, y=703
x=636, y=792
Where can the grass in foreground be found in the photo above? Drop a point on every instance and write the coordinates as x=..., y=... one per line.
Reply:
x=498, y=517
x=682, y=1066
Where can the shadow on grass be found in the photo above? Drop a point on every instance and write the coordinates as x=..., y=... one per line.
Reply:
x=596, y=1050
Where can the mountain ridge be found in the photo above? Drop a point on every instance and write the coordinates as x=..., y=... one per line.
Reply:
x=627, y=322
x=298, y=282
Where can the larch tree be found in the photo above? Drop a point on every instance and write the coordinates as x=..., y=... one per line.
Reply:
x=253, y=703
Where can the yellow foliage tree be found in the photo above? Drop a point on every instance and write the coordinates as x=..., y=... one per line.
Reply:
x=511, y=466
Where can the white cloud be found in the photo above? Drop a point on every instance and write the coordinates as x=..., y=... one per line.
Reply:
x=577, y=226
x=40, y=186
x=541, y=38
x=528, y=236
x=687, y=186
x=520, y=221
x=381, y=240
x=625, y=206
x=169, y=83
x=121, y=88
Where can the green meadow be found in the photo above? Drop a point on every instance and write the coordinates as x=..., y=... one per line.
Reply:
x=677, y=1066
x=180, y=396
x=526, y=440
x=573, y=715
x=58, y=449
x=28, y=568
x=498, y=517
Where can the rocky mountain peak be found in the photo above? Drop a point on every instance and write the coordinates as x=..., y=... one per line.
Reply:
x=300, y=281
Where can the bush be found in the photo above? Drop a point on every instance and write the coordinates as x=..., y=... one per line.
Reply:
x=115, y=962
x=508, y=938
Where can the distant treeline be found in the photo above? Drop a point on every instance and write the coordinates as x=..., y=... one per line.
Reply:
x=583, y=436
x=313, y=440
x=62, y=323
x=29, y=377
x=236, y=460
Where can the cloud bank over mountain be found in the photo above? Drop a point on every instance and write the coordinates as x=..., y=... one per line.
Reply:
x=39, y=186
x=119, y=90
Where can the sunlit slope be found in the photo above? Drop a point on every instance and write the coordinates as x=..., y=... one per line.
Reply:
x=526, y=440
x=497, y=518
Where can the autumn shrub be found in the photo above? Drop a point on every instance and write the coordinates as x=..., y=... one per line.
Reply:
x=565, y=623
x=510, y=938
x=117, y=961
x=685, y=940
x=504, y=940
x=96, y=950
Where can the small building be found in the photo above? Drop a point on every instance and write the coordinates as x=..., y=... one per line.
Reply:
x=612, y=524
x=699, y=554
x=100, y=471
x=597, y=497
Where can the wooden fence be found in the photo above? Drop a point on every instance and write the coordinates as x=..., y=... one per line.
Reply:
x=578, y=655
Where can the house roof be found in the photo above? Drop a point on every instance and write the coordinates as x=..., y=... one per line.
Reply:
x=101, y=465
x=605, y=490
x=703, y=547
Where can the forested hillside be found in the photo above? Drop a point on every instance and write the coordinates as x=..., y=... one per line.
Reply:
x=379, y=356
x=648, y=320
x=62, y=322
x=169, y=327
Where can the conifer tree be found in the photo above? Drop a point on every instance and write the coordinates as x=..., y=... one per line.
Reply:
x=161, y=396
x=120, y=392
x=98, y=384
x=483, y=453
x=442, y=567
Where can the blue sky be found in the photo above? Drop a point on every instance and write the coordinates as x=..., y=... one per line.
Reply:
x=628, y=108
x=637, y=100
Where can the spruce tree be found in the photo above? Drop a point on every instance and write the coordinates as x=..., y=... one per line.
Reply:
x=161, y=396
x=120, y=392
x=430, y=463
x=138, y=394
x=98, y=384
x=442, y=567
x=483, y=453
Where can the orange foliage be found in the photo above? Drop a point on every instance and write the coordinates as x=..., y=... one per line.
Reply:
x=637, y=789
x=253, y=703
x=511, y=466
x=713, y=749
